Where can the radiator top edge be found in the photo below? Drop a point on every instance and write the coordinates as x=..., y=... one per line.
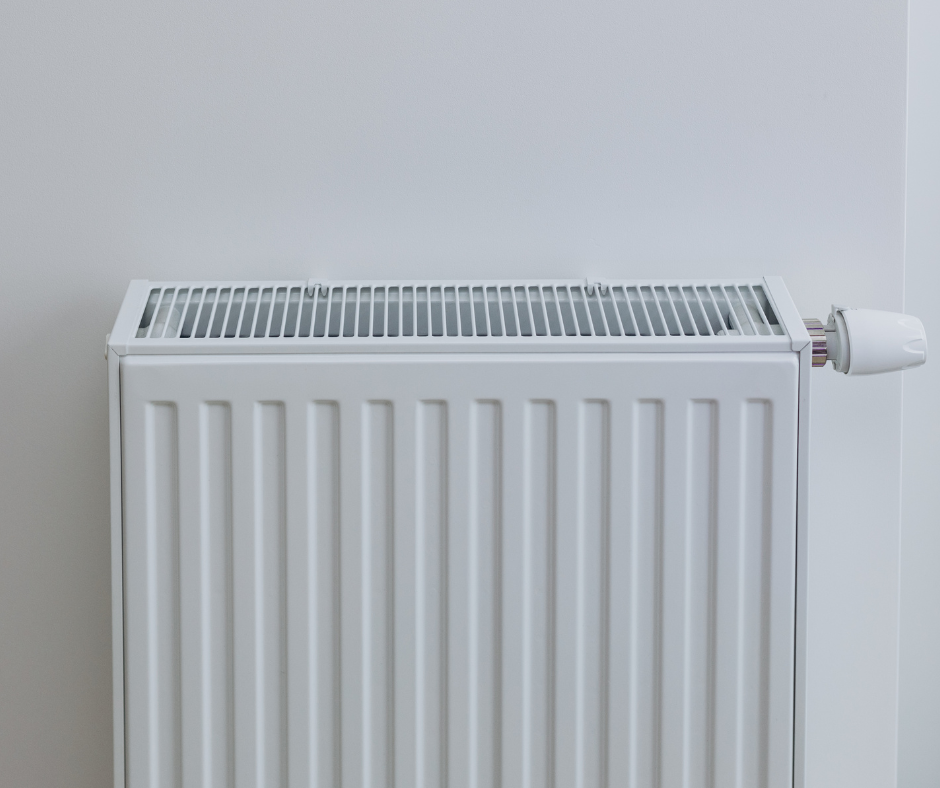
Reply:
x=371, y=316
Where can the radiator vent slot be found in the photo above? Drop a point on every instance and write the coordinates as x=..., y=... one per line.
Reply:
x=491, y=310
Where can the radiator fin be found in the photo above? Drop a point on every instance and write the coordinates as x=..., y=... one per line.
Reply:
x=369, y=755
x=205, y=556
x=261, y=600
x=538, y=573
x=431, y=595
x=692, y=756
x=163, y=693
x=481, y=589
x=313, y=538
x=495, y=310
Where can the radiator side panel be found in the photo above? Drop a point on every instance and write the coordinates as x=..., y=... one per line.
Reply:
x=117, y=567
x=475, y=571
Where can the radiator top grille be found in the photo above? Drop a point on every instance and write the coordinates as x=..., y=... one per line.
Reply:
x=429, y=313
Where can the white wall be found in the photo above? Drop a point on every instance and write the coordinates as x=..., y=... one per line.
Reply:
x=510, y=138
x=919, y=730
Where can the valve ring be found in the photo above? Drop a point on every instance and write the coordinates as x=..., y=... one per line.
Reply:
x=817, y=333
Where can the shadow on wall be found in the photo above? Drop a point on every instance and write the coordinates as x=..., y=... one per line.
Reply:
x=55, y=542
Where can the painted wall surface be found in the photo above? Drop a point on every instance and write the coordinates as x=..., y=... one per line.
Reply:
x=919, y=724
x=381, y=138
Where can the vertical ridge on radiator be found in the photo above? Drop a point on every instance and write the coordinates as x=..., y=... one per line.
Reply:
x=260, y=596
x=459, y=688
x=510, y=612
x=312, y=619
x=565, y=768
x=243, y=625
x=484, y=582
x=673, y=580
x=754, y=599
x=431, y=595
x=699, y=555
x=163, y=688
x=269, y=593
x=742, y=690
x=636, y=596
x=647, y=646
x=538, y=522
x=313, y=595
x=377, y=595
x=591, y=714
x=205, y=556
x=350, y=584
x=406, y=677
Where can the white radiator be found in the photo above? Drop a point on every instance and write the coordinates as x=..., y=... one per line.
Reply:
x=462, y=534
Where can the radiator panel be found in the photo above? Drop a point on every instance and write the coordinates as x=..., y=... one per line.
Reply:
x=465, y=571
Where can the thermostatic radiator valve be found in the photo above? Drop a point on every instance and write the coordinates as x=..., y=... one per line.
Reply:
x=867, y=341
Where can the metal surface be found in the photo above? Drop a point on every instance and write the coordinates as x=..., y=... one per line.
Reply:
x=817, y=332
x=457, y=316
x=464, y=570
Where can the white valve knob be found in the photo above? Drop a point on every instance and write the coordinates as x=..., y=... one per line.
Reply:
x=869, y=341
